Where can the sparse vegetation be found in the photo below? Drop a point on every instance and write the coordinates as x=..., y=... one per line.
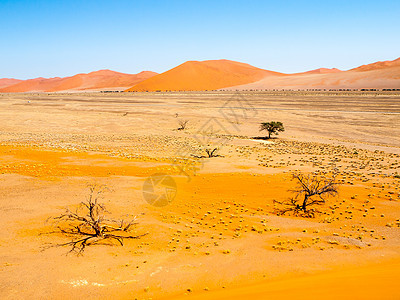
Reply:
x=87, y=225
x=272, y=127
x=218, y=213
x=182, y=124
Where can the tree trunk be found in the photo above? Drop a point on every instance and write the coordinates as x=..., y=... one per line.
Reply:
x=269, y=134
x=304, y=206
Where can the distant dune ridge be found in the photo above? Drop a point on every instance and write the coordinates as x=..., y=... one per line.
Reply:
x=98, y=80
x=320, y=71
x=379, y=65
x=379, y=75
x=215, y=75
x=4, y=82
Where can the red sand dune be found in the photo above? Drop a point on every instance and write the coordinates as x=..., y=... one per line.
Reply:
x=380, y=75
x=203, y=75
x=4, y=82
x=103, y=79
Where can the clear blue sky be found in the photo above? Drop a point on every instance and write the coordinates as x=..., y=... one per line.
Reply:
x=62, y=38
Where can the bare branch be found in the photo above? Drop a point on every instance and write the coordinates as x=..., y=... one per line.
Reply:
x=89, y=226
x=309, y=187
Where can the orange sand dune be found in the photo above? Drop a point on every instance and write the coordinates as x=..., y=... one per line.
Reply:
x=102, y=79
x=225, y=74
x=379, y=65
x=218, y=74
x=4, y=82
x=378, y=75
x=203, y=75
x=320, y=71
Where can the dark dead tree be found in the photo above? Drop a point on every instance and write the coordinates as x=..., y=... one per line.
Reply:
x=210, y=151
x=87, y=225
x=311, y=190
x=182, y=124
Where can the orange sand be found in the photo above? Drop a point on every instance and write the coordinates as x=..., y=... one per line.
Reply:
x=188, y=239
x=372, y=282
x=52, y=164
x=221, y=232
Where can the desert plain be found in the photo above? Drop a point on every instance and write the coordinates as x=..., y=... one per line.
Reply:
x=221, y=236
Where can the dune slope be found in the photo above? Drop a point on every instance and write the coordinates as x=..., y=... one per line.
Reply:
x=203, y=75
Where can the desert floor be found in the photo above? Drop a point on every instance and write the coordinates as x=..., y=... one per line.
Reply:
x=221, y=237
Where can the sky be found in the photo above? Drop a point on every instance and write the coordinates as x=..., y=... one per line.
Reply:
x=63, y=38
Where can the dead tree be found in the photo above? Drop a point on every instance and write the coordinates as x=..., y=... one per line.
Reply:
x=311, y=190
x=182, y=124
x=211, y=152
x=87, y=225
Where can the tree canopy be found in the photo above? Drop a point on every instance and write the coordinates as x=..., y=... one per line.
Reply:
x=272, y=127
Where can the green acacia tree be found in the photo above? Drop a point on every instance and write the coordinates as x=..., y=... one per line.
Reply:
x=272, y=127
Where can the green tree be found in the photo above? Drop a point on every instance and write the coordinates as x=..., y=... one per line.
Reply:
x=272, y=127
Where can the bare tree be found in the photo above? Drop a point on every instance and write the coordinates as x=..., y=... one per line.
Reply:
x=211, y=152
x=182, y=124
x=311, y=190
x=87, y=225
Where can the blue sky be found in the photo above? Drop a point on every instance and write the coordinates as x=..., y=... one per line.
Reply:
x=62, y=38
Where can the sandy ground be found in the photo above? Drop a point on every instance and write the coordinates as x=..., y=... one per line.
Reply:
x=220, y=238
